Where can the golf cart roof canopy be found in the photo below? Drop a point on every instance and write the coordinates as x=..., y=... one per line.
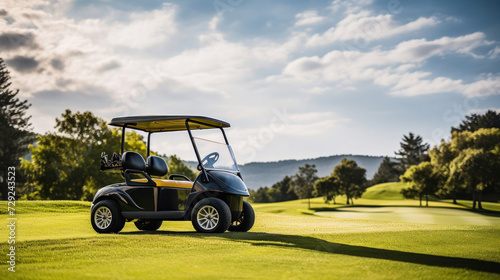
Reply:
x=167, y=123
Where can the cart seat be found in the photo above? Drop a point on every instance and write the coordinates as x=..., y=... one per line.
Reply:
x=168, y=183
x=133, y=160
x=156, y=166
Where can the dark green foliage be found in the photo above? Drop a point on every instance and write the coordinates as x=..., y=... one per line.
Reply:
x=468, y=164
x=65, y=164
x=260, y=195
x=347, y=179
x=15, y=129
x=280, y=191
x=475, y=168
x=474, y=122
x=303, y=182
x=388, y=171
x=422, y=181
x=327, y=187
x=413, y=151
x=350, y=179
x=441, y=158
x=176, y=166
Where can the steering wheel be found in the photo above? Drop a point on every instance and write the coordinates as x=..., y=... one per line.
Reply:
x=210, y=159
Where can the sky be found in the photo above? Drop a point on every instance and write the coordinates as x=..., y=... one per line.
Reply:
x=295, y=79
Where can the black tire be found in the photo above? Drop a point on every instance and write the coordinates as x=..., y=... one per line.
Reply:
x=106, y=217
x=211, y=215
x=245, y=221
x=148, y=224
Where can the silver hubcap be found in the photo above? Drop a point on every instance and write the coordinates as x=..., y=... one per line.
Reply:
x=103, y=217
x=208, y=217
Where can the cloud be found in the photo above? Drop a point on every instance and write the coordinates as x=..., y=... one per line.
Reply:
x=421, y=49
x=23, y=64
x=109, y=65
x=308, y=18
x=365, y=26
x=86, y=49
x=391, y=68
x=411, y=87
x=145, y=29
x=494, y=53
x=319, y=90
x=349, y=7
x=13, y=41
x=57, y=64
x=489, y=85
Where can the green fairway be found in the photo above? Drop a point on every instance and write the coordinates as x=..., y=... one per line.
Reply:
x=385, y=191
x=415, y=215
x=56, y=241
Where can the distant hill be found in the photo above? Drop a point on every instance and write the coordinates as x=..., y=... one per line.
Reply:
x=260, y=174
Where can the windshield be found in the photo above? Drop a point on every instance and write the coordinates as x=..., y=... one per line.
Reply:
x=216, y=155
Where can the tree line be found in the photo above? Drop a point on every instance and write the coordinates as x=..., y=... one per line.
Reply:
x=466, y=166
x=347, y=179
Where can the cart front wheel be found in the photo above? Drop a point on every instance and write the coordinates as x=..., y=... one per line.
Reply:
x=211, y=215
x=245, y=221
x=106, y=217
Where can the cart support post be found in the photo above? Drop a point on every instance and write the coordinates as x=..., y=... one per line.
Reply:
x=196, y=150
x=224, y=134
x=149, y=145
x=123, y=138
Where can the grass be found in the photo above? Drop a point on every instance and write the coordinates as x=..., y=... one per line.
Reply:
x=55, y=241
x=385, y=191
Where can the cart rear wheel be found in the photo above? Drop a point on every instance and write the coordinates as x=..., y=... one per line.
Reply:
x=148, y=224
x=106, y=217
x=245, y=221
x=211, y=215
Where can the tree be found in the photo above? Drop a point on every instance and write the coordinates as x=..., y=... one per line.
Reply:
x=350, y=179
x=260, y=195
x=388, y=171
x=474, y=122
x=15, y=128
x=327, y=187
x=422, y=181
x=176, y=166
x=441, y=157
x=469, y=163
x=282, y=190
x=273, y=194
x=65, y=164
x=475, y=168
x=303, y=182
x=413, y=151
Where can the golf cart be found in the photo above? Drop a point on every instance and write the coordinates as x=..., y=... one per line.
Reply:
x=213, y=201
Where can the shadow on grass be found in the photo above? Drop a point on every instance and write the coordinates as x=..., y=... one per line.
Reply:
x=320, y=245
